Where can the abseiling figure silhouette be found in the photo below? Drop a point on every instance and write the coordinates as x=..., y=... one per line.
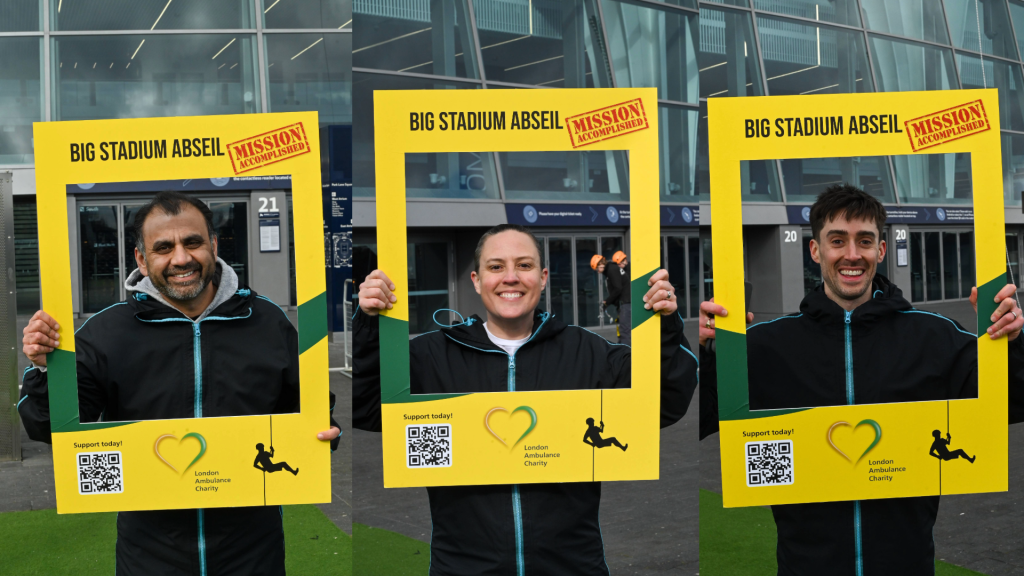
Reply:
x=593, y=437
x=262, y=462
x=940, y=450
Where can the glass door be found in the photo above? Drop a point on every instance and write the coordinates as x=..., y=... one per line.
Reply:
x=100, y=261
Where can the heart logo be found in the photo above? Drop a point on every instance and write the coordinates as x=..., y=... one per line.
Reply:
x=878, y=436
x=196, y=435
x=527, y=409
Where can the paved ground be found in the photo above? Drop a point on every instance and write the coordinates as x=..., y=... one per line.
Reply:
x=982, y=532
x=649, y=527
x=28, y=485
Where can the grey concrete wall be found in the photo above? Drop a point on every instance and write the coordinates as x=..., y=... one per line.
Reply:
x=268, y=271
x=775, y=267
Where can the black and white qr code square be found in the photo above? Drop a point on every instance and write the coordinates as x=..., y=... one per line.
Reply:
x=769, y=463
x=100, y=473
x=428, y=445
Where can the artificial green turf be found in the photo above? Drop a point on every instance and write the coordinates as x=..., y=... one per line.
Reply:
x=41, y=543
x=741, y=541
x=385, y=553
x=313, y=545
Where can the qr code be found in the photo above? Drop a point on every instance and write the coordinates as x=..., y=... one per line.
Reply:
x=770, y=463
x=429, y=445
x=100, y=473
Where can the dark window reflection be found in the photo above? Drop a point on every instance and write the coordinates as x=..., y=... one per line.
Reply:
x=994, y=25
x=934, y=178
x=998, y=74
x=100, y=265
x=20, y=97
x=806, y=178
x=653, y=48
x=560, y=278
x=565, y=175
x=837, y=11
x=921, y=19
x=307, y=72
x=902, y=66
x=728, y=55
x=428, y=285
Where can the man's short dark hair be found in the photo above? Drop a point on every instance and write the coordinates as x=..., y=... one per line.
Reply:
x=498, y=230
x=846, y=201
x=170, y=202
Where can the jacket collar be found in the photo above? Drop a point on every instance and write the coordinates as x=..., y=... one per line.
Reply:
x=886, y=299
x=472, y=332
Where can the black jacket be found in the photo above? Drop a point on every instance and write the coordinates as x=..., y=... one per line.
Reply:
x=618, y=284
x=897, y=354
x=136, y=361
x=534, y=529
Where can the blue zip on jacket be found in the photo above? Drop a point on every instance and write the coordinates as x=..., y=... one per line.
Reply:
x=529, y=529
x=883, y=351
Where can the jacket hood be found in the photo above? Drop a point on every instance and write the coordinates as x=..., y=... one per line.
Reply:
x=472, y=331
x=224, y=278
x=886, y=299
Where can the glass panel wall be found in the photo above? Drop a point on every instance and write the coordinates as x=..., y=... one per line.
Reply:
x=1013, y=168
x=132, y=76
x=21, y=97
x=950, y=266
x=968, y=17
x=543, y=44
x=429, y=37
x=934, y=178
x=307, y=13
x=920, y=19
x=998, y=74
x=653, y=48
x=588, y=297
x=836, y=11
x=1013, y=259
x=571, y=175
x=305, y=72
x=807, y=178
x=67, y=15
x=804, y=59
x=678, y=149
x=967, y=278
x=933, y=266
x=728, y=55
x=759, y=178
x=902, y=66
x=560, y=277
x=21, y=15
x=916, y=267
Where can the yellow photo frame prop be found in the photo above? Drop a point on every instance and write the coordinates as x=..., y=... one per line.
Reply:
x=950, y=121
x=553, y=421
x=220, y=448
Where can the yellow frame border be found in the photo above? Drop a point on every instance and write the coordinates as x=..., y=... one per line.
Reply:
x=477, y=457
x=819, y=473
x=148, y=484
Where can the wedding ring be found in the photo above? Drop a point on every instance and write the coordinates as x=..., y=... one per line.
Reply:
x=708, y=324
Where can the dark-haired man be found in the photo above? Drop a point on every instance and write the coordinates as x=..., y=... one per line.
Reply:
x=189, y=342
x=856, y=340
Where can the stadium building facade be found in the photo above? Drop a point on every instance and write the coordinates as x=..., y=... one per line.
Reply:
x=690, y=52
x=63, y=60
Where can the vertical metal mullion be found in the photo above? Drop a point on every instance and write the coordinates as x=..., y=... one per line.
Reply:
x=763, y=77
x=547, y=262
x=47, y=84
x=572, y=268
x=949, y=38
x=471, y=17
x=1013, y=30
x=875, y=88
x=608, y=55
x=261, y=58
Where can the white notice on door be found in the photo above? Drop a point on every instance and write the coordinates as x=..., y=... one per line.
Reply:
x=270, y=235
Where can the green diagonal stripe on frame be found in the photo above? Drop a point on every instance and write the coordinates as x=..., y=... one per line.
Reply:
x=62, y=380
x=637, y=290
x=394, y=365
x=312, y=321
x=986, y=302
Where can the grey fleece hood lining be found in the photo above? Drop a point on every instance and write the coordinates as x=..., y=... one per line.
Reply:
x=226, y=287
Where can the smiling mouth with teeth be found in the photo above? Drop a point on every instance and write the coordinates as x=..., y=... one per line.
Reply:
x=851, y=272
x=511, y=295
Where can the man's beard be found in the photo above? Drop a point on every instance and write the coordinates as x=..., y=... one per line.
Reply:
x=186, y=292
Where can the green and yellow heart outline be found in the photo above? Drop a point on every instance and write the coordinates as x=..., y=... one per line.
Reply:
x=196, y=435
x=527, y=409
x=868, y=421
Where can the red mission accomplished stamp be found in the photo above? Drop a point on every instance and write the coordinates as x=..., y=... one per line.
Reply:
x=947, y=125
x=268, y=148
x=606, y=123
